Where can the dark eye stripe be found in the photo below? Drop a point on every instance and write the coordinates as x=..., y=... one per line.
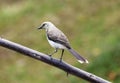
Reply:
x=44, y=25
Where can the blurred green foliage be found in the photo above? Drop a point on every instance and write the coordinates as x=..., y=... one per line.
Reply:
x=92, y=26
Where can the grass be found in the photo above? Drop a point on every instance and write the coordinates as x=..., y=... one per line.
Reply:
x=92, y=27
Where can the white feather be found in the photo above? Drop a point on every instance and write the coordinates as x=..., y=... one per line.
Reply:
x=56, y=45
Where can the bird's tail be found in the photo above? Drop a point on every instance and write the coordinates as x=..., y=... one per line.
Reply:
x=78, y=57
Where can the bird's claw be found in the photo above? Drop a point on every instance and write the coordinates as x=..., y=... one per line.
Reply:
x=50, y=56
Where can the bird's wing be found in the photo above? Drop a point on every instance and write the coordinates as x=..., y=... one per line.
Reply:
x=58, y=37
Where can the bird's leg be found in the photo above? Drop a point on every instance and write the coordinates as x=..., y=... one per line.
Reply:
x=53, y=53
x=61, y=55
x=61, y=60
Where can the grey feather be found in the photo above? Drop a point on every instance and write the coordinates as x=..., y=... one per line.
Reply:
x=58, y=37
x=78, y=57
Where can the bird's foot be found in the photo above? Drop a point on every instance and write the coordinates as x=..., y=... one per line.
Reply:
x=50, y=56
x=60, y=60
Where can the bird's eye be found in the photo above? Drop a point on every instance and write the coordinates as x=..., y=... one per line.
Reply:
x=44, y=25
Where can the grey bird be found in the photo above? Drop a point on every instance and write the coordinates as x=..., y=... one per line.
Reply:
x=58, y=40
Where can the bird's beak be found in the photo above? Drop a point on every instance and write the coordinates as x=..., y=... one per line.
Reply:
x=39, y=27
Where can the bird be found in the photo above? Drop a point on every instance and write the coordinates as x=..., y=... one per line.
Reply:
x=58, y=40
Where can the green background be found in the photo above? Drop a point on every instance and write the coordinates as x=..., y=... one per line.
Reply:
x=92, y=27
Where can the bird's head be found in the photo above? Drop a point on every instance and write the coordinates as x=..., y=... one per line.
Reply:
x=45, y=25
